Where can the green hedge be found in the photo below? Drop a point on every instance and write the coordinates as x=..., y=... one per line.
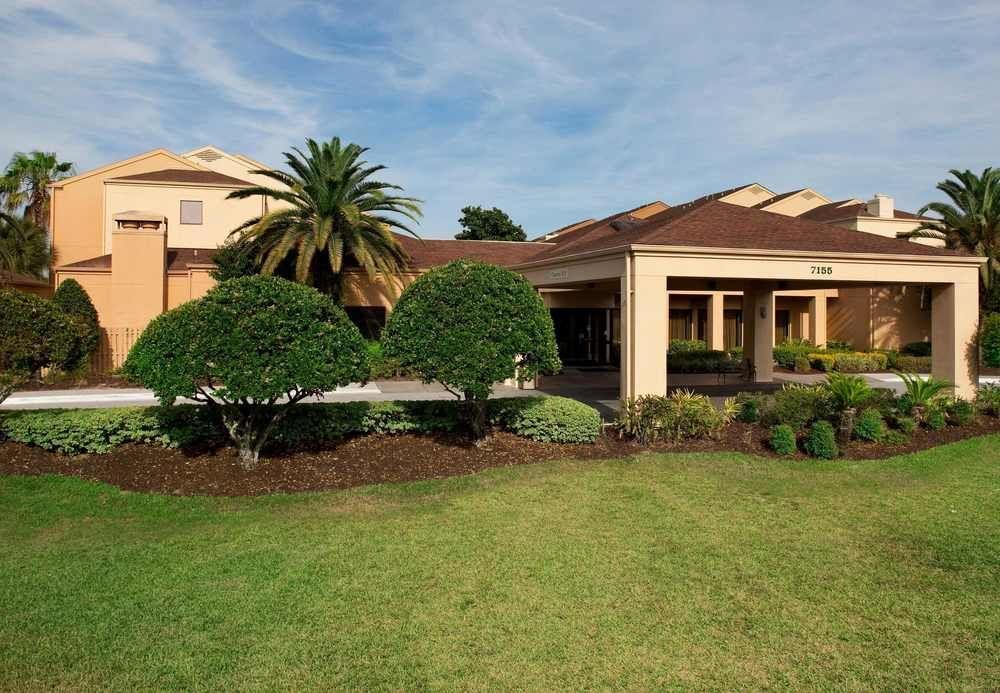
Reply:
x=703, y=361
x=786, y=352
x=680, y=346
x=990, y=340
x=859, y=361
x=74, y=431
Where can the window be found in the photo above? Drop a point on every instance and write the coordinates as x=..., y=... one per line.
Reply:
x=191, y=212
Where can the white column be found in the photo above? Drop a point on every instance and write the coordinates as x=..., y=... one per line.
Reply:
x=648, y=333
x=758, y=330
x=714, y=324
x=954, y=321
x=817, y=319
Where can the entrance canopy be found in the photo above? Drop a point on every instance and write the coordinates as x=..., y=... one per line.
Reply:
x=717, y=247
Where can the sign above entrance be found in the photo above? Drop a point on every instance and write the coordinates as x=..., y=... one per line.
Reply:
x=559, y=274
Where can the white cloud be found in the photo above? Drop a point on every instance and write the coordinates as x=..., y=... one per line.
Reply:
x=553, y=111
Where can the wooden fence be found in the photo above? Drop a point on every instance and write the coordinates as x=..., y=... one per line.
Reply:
x=112, y=349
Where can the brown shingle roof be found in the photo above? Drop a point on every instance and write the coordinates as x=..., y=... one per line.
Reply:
x=178, y=259
x=180, y=175
x=834, y=211
x=431, y=252
x=777, y=198
x=713, y=224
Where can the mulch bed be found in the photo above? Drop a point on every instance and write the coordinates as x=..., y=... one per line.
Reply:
x=380, y=459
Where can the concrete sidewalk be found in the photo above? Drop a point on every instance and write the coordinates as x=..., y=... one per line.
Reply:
x=103, y=398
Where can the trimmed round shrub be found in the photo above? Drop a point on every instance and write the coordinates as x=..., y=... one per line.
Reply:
x=469, y=325
x=783, y=440
x=802, y=364
x=797, y=406
x=989, y=340
x=870, y=426
x=75, y=302
x=786, y=352
x=912, y=364
x=821, y=441
x=551, y=419
x=249, y=349
x=34, y=334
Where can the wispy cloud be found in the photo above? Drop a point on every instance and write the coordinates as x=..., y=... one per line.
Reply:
x=553, y=110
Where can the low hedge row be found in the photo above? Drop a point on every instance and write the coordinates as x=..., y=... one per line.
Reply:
x=75, y=431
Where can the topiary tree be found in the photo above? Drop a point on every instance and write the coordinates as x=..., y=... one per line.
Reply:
x=250, y=349
x=74, y=301
x=34, y=334
x=469, y=325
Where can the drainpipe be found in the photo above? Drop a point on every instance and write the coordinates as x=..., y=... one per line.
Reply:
x=626, y=387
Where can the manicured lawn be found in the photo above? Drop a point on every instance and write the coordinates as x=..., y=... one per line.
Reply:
x=686, y=571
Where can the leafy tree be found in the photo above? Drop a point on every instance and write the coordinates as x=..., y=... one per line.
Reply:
x=971, y=221
x=250, y=349
x=24, y=248
x=469, y=325
x=480, y=224
x=234, y=259
x=25, y=183
x=74, y=301
x=34, y=334
x=990, y=341
x=329, y=212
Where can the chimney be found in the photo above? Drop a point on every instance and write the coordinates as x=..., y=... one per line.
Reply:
x=138, y=268
x=882, y=206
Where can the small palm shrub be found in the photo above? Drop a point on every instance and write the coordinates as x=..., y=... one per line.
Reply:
x=783, y=440
x=802, y=364
x=821, y=442
x=988, y=399
x=848, y=391
x=920, y=393
x=989, y=340
x=870, y=426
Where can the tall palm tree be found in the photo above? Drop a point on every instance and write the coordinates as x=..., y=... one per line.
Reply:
x=26, y=182
x=970, y=222
x=330, y=212
x=24, y=248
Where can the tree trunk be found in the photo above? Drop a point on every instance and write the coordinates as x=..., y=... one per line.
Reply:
x=475, y=415
x=846, y=430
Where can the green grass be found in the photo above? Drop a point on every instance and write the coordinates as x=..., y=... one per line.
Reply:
x=677, y=571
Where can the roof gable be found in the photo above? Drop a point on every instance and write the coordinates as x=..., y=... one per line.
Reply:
x=182, y=162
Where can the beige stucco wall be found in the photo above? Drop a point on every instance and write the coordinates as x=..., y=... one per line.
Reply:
x=97, y=284
x=749, y=196
x=77, y=220
x=880, y=318
x=580, y=299
x=797, y=204
x=219, y=215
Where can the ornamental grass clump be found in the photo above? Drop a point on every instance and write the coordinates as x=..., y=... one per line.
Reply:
x=469, y=325
x=250, y=350
x=680, y=415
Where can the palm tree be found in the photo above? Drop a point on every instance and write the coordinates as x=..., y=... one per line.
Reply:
x=26, y=182
x=24, y=248
x=330, y=212
x=971, y=222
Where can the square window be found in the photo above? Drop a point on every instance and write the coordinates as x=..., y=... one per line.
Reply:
x=191, y=212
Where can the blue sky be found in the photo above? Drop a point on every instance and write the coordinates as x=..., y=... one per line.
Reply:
x=554, y=111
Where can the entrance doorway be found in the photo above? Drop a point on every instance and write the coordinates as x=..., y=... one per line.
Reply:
x=585, y=336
